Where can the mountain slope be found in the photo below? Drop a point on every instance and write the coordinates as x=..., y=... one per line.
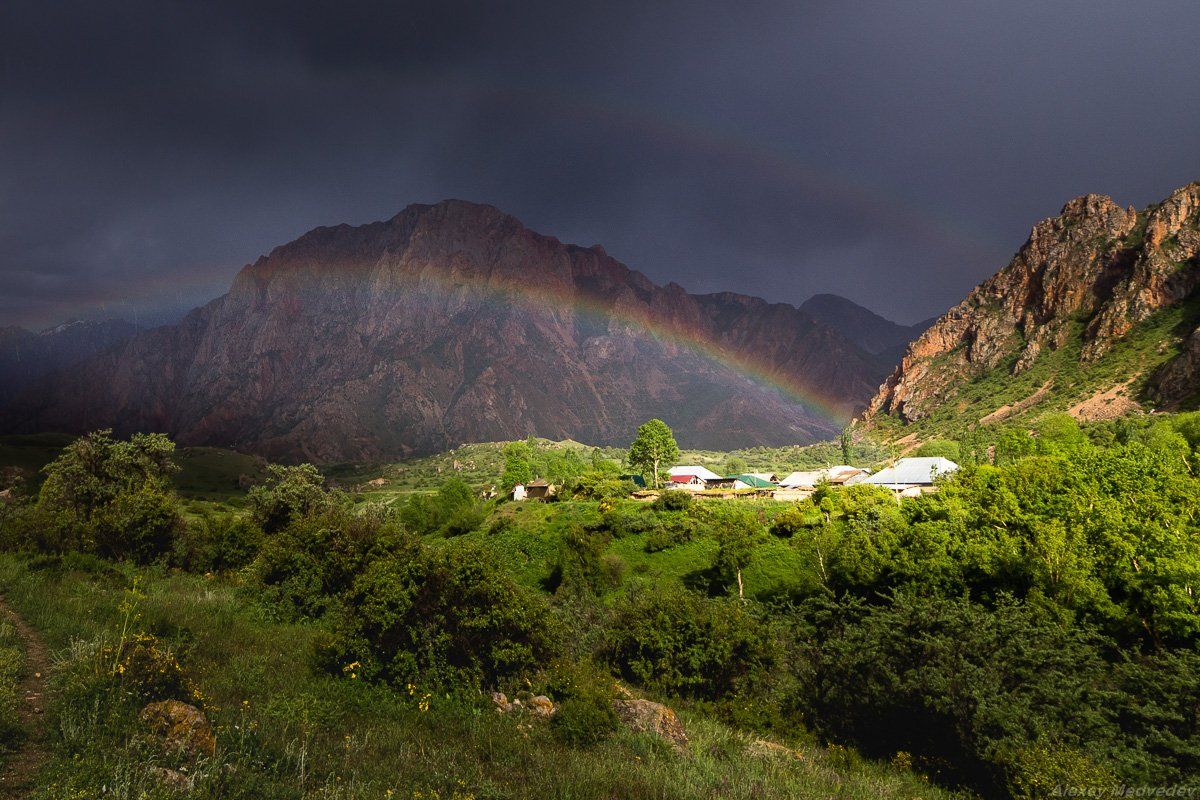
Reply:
x=1095, y=314
x=877, y=335
x=25, y=356
x=453, y=323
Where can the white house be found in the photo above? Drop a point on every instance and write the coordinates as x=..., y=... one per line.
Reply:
x=691, y=483
x=909, y=476
x=518, y=492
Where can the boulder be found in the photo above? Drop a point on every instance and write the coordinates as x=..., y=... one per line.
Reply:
x=646, y=716
x=541, y=706
x=182, y=727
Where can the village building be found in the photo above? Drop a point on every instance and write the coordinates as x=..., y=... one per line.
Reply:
x=909, y=477
x=518, y=492
x=690, y=483
x=540, y=490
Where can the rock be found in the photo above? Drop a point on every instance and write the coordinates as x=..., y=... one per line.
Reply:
x=173, y=779
x=181, y=726
x=541, y=706
x=500, y=701
x=645, y=716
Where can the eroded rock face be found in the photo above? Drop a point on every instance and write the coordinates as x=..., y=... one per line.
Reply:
x=454, y=323
x=1110, y=266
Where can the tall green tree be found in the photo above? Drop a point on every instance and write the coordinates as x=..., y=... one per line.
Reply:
x=653, y=449
x=518, y=468
x=739, y=531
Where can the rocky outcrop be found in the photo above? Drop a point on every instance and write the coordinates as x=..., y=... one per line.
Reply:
x=454, y=323
x=646, y=716
x=1107, y=266
x=182, y=728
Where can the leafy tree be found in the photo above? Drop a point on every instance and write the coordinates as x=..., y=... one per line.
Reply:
x=94, y=469
x=111, y=496
x=653, y=448
x=736, y=465
x=739, y=531
x=846, y=442
x=517, y=465
x=287, y=494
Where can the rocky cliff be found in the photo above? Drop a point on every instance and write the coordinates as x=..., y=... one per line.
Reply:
x=453, y=323
x=1085, y=280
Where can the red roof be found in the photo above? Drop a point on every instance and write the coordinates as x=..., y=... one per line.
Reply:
x=682, y=478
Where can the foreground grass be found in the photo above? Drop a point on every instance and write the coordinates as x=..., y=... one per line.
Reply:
x=284, y=731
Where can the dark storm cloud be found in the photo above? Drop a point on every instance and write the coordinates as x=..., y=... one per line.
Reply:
x=895, y=153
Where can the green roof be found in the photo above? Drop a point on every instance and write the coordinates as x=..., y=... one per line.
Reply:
x=753, y=481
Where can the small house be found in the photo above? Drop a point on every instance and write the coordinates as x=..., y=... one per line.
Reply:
x=688, y=483
x=540, y=490
x=518, y=492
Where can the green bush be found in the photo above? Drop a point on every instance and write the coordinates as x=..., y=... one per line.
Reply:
x=139, y=525
x=217, y=543
x=448, y=618
x=584, y=695
x=673, y=500
x=304, y=569
x=677, y=642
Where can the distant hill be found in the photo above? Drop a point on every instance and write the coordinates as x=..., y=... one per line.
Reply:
x=877, y=335
x=26, y=356
x=1096, y=315
x=453, y=323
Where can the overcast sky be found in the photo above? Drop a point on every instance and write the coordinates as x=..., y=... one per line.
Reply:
x=895, y=153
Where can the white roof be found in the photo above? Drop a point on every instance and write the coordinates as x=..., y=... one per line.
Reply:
x=803, y=479
x=811, y=478
x=913, y=472
x=700, y=472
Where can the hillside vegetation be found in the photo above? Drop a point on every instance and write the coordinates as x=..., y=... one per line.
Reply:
x=1029, y=627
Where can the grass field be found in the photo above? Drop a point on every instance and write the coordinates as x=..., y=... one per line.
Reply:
x=285, y=731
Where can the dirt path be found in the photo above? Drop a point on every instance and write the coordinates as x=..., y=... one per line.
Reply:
x=22, y=767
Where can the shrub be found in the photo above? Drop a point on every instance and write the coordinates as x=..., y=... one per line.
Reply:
x=139, y=525
x=304, y=569
x=673, y=500
x=217, y=544
x=449, y=618
x=584, y=694
x=671, y=530
x=622, y=522
x=675, y=641
x=287, y=494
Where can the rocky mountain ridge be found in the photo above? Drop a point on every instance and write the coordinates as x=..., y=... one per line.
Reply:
x=452, y=323
x=1085, y=278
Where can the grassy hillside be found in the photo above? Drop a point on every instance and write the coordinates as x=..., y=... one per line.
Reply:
x=285, y=731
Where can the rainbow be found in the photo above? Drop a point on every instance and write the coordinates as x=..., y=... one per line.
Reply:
x=505, y=291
